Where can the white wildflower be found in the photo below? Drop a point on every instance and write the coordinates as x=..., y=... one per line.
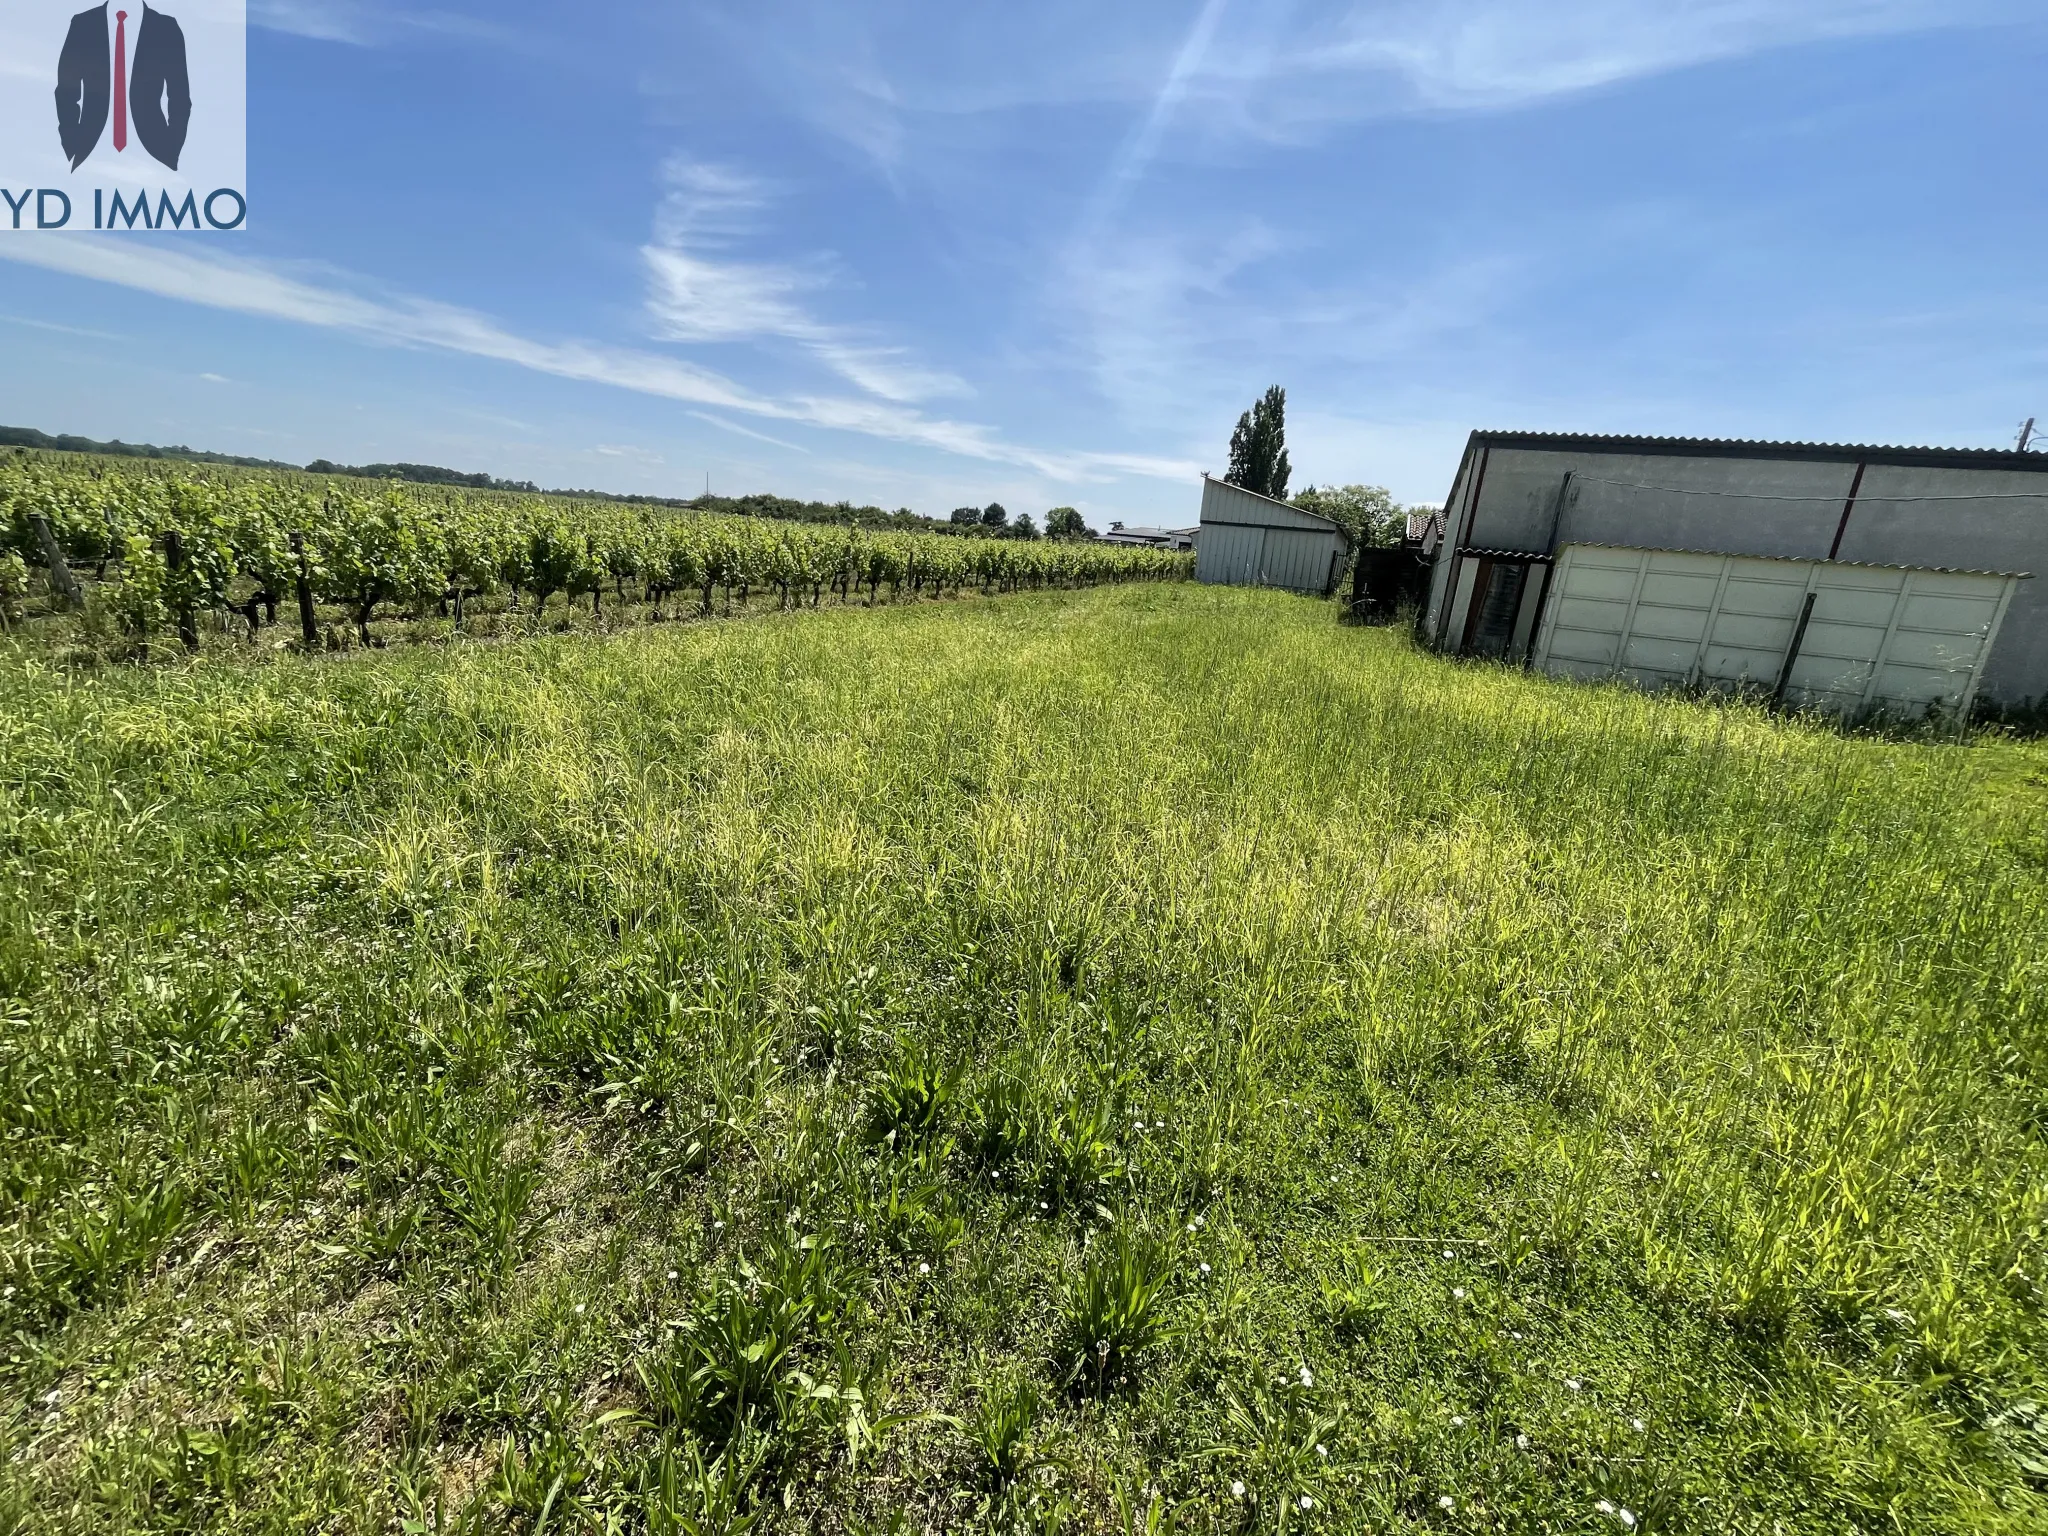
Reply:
x=924, y=1269
x=1604, y=1507
x=1457, y=1293
x=1627, y=1518
x=672, y=1274
x=1306, y=1379
x=1205, y=1269
x=1444, y=1503
x=579, y=1309
x=1237, y=1490
x=1636, y=1425
x=1571, y=1384
x=1307, y=1502
x=1457, y=1421
x=1521, y=1442
x=1322, y=1450
x=1448, y=1254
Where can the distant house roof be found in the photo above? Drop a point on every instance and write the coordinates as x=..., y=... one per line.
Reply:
x=1419, y=521
x=1740, y=448
x=1121, y=534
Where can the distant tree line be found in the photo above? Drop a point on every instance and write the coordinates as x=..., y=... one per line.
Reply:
x=29, y=437
x=421, y=474
x=1060, y=523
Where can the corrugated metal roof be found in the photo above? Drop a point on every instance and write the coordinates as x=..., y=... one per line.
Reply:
x=1731, y=554
x=1745, y=448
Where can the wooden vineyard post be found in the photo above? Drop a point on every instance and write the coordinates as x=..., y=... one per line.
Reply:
x=62, y=582
x=309, y=631
x=188, y=626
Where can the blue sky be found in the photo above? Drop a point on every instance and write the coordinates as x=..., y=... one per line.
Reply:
x=923, y=254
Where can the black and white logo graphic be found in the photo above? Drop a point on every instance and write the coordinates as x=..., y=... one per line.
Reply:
x=150, y=128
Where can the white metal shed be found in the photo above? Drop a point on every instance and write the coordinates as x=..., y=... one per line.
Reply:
x=1249, y=540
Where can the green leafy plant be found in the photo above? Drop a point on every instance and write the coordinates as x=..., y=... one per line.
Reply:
x=909, y=1101
x=1113, y=1307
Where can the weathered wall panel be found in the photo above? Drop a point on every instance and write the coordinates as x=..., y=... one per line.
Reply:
x=1877, y=640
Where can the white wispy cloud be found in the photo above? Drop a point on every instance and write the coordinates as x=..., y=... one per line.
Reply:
x=365, y=25
x=700, y=291
x=1143, y=142
x=327, y=21
x=1286, y=73
x=322, y=297
x=1486, y=53
x=735, y=428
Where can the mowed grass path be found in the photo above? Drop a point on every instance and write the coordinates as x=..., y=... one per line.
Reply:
x=1082, y=1062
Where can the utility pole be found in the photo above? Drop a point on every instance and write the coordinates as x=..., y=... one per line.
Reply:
x=2026, y=434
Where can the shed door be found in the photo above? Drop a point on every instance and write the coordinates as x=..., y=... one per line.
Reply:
x=1853, y=640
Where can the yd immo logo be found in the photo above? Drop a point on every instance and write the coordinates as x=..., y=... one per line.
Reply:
x=155, y=89
x=150, y=127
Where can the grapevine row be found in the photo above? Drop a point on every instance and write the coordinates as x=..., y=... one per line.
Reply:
x=163, y=548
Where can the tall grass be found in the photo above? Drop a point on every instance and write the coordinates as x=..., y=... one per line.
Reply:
x=743, y=1078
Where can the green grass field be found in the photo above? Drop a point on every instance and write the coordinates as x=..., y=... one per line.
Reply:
x=1089, y=1061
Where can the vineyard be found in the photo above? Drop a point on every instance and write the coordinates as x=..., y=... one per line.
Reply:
x=164, y=549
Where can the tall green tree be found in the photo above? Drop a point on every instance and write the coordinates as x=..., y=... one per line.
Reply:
x=1258, y=448
x=1065, y=523
x=993, y=515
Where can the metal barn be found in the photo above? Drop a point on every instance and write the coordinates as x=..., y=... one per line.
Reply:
x=1249, y=540
x=1861, y=581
